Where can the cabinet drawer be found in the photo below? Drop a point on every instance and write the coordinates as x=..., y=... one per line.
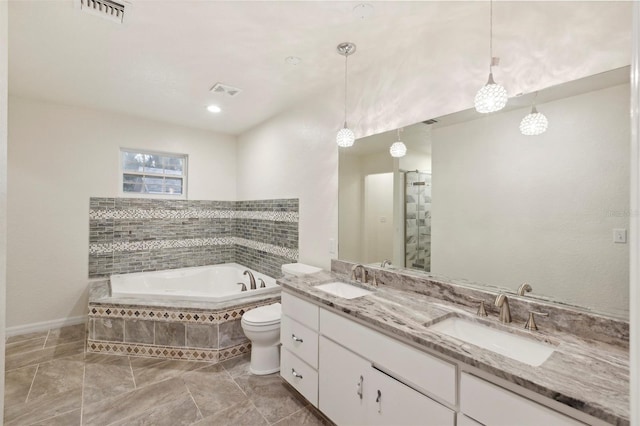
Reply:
x=300, y=310
x=492, y=405
x=299, y=340
x=431, y=375
x=300, y=376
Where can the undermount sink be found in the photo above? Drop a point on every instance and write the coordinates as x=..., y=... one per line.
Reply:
x=344, y=290
x=519, y=348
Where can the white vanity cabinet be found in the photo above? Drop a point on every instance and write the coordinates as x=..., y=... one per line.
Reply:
x=492, y=405
x=299, y=352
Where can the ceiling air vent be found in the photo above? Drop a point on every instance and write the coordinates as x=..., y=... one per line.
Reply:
x=108, y=9
x=225, y=89
x=430, y=121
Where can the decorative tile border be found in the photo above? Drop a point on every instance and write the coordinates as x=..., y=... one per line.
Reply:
x=289, y=253
x=169, y=315
x=168, y=352
x=102, y=214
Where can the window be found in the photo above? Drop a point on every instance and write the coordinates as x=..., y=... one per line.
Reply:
x=153, y=173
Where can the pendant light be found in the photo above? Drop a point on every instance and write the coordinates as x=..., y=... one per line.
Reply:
x=398, y=149
x=345, y=137
x=491, y=97
x=534, y=123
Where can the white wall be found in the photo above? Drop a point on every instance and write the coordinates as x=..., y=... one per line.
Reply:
x=378, y=217
x=3, y=185
x=59, y=157
x=350, y=199
x=509, y=209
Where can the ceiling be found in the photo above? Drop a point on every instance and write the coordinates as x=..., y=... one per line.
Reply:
x=163, y=60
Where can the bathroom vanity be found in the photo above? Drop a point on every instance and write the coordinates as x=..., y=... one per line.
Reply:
x=373, y=360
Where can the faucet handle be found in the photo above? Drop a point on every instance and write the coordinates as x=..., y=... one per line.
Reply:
x=531, y=322
x=524, y=288
x=262, y=283
x=482, y=312
x=244, y=286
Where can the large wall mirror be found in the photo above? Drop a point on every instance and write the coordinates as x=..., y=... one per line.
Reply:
x=477, y=202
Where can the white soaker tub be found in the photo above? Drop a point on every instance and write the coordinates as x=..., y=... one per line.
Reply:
x=215, y=283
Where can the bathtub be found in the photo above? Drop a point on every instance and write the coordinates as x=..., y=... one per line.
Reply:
x=215, y=283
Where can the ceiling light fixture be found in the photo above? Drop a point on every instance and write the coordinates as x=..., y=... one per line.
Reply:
x=398, y=149
x=214, y=109
x=345, y=137
x=491, y=97
x=535, y=123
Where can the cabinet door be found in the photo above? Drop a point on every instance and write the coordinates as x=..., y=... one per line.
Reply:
x=342, y=384
x=391, y=402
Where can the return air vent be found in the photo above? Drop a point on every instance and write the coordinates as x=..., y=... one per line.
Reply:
x=431, y=121
x=108, y=9
x=225, y=89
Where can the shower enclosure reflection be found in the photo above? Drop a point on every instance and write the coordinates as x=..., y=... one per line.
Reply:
x=417, y=207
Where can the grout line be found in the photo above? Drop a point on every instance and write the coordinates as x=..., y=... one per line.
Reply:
x=84, y=375
x=44, y=345
x=290, y=415
x=194, y=401
x=259, y=412
x=32, y=382
x=54, y=417
x=133, y=377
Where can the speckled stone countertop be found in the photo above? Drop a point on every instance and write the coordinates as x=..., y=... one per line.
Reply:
x=588, y=375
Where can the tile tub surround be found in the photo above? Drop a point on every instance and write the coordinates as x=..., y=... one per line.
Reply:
x=589, y=376
x=133, y=234
x=185, y=330
x=77, y=388
x=564, y=318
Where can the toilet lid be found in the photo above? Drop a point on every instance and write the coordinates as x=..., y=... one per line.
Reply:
x=264, y=314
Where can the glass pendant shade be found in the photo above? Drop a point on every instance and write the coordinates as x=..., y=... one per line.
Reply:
x=491, y=97
x=398, y=149
x=345, y=137
x=534, y=123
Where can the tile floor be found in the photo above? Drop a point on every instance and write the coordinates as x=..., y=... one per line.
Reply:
x=50, y=380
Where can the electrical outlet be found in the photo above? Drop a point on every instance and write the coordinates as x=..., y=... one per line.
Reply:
x=620, y=236
x=333, y=247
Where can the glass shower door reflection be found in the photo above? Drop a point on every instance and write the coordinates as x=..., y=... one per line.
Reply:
x=418, y=220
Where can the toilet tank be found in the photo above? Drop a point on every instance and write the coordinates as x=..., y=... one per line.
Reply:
x=298, y=269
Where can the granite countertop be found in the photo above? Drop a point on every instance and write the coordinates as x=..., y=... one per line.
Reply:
x=590, y=376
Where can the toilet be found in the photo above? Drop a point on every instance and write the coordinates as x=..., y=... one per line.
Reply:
x=262, y=326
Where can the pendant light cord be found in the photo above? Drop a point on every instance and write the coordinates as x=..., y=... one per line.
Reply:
x=490, y=35
x=346, y=58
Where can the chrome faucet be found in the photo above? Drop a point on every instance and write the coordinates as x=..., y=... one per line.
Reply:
x=503, y=303
x=524, y=288
x=354, y=274
x=252, y=279
x=385, y=263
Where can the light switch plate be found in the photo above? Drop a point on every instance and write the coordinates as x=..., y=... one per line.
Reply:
x=620, y=236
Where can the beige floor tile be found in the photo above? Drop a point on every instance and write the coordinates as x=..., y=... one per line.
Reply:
x=237, y=366
x=69, y=334
x=148, y=371
x=28, y=336
x=270, y=396
x=242, y=414
x=17, y=384
x=305, y=417
x=42, y=408
x=24, y=346
x=213, y=389
x=19, y=360
x=106, y=376
x=72, y=418
x=181, y=412
x=58, y=376
x=133, y=403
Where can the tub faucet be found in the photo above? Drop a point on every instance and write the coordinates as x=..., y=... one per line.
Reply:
x=354, y=273
x=385, y=263
x=503, y=303
x=524, y=288
x=252, y=279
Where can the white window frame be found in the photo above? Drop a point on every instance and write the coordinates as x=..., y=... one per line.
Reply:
x=122, y=172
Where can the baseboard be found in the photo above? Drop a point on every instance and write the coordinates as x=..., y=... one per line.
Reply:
x=44, y=326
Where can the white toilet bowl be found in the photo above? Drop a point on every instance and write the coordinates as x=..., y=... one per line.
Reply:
x=262, y=326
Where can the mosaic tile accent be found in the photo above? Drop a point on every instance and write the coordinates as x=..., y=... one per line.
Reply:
x=168, y=352
x=133, y=235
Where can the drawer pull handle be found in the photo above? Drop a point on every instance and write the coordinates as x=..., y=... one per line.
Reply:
x=295, y=374
x=296, y=338
x=359, y=391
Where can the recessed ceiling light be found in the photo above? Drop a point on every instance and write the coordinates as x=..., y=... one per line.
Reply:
x=292, y=60
x=363, y=11
x=214, y=108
